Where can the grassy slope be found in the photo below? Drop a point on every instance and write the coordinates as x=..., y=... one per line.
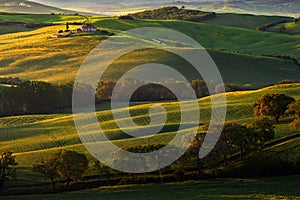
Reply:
x=39, y=18
x=32, y=55
x=263, y=188
x=247, y=21
x=290, y=28
x=32, y=137
x=13, y=6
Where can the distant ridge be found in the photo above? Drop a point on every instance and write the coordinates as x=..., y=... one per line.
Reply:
x=24, y=6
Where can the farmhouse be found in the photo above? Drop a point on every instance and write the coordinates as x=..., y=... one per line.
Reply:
x=88, y=28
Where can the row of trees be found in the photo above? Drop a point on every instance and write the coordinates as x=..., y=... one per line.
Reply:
x=34, y=97
x=157, y=92
x=172, y=12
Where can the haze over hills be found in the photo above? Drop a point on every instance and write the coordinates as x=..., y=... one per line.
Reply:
x=271, y=7
x=24, y=6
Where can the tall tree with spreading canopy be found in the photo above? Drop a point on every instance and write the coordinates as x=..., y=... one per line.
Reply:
x=7, y=167
x=273, y=105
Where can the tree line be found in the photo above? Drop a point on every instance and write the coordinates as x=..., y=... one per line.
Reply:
x=171, y=12
x=37, y=97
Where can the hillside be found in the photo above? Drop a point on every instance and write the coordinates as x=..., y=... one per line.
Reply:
x=23, y=6
x=31, y=7
x=35, y=136
x=290, y=7
x=33, y=55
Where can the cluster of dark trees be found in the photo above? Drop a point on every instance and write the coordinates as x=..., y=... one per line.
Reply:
x=10, y=81
x=32, y=97
x=157, y=92
x=172, y=12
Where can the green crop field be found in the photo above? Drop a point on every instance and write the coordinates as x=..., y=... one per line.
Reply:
x=34, y=55
x=263, y=188
x=33, y=137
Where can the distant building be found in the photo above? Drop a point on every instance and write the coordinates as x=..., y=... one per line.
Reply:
x=57, y=36
x=88, y=28
x=24, y=5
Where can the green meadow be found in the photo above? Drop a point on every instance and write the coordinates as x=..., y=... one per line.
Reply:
x=238, y=52
x=33, y=137
x=242, y=54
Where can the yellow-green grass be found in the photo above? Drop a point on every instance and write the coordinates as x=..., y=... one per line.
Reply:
x=35, y=137
x=13, y=29
x=217, y=37
x=34, y=55
x=260, y=188
x=289, y=28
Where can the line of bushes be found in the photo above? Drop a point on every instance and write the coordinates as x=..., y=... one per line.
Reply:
x=270, y=24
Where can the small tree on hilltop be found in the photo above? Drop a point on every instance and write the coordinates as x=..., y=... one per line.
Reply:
x=7, y=170
x=273, y=105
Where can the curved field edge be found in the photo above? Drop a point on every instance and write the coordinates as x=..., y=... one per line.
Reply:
x=261, y=188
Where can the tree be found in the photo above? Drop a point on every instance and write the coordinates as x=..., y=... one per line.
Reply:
x=49, y=168
x=296, y=20
x=273, y=105
x=7, y=170
x=71, y=165
x=263, y=130
x=294, y=108
x=193, y=152
x=105, y=89
x=237, y=136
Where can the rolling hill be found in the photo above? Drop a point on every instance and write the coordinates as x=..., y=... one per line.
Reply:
x=32, y=137
x=24, y=6
x=237, y=52
x=240, y=52
x=290, y=7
